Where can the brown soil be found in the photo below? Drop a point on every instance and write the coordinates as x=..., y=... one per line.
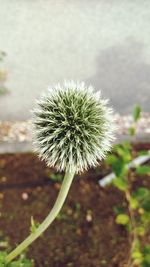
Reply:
x=84, y=234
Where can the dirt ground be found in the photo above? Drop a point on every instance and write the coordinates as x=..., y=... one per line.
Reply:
x=85, y=232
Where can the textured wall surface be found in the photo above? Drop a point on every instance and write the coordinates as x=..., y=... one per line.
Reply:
x=104, y=43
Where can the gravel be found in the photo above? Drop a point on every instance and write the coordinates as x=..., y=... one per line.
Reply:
x=20, y=131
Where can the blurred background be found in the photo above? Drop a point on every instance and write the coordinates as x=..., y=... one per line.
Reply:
x=104, y=43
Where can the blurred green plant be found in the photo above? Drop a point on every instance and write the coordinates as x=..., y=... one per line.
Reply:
x=136, y=218
x=136, y=116
x=3, y=75
x=56, y=177
x=21, y=262
x=34, y=225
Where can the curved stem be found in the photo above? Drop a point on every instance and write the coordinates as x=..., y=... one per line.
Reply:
x=48, y=220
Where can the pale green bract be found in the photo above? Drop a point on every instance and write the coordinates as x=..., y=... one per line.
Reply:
x=73, y=127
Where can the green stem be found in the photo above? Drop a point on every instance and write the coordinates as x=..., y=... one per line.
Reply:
x=48, y=220
x=133, y=225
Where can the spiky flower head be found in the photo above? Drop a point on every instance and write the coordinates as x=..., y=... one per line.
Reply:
x=73, y=127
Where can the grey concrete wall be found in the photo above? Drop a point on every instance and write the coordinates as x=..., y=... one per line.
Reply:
x=104, y=43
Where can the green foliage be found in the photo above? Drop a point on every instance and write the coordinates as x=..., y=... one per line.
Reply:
x=2, y=259
x=146, y=204
x=137, y=219
x=145, y=218
x=56, y=177
x=119, y=210
x=131, y=131
x=2, y=75
x=140, y=230
x=123, y=151
x=136, y=116
x=118, y=160
x=21, y=262
x=143, y=153
x=120, y=183
x=146, y=256
x=2, y=55
x=122, y=219
x=34, y=225
x=2, y=90
x=143, y=170
x=136, y=113
x=133, y=201
x=141, y=193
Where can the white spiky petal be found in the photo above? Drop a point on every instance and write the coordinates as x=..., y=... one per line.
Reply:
x=73, y=127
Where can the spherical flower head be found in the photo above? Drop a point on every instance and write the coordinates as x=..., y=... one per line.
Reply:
x=73, y=127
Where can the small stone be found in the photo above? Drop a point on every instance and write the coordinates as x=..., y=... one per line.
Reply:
x=1, y=195
x=69, y=211
x=22, y=137
x=3, y=179
x=39, y=188
x=25, y=196
x=21, y=130
x=103, y=262
x=2, y=163
x=89, y=216
x=79, y=232
x=57, y=186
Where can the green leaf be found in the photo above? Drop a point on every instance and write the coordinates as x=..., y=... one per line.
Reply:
x=3, y=90
x=122, y=219
x=111, y=159
x=56, y=177
x=146, y=250
x=146, y=205
x=118, y=210
x=137, y=255
x=21, y=262
x=143, y=170
x=140, y=230
x=120, y=183
x=131, y=131
x=136, y=113
x=145, y=218
x=143, y=153
x=34, y=225
x=134, y=203
x=146, y=262
x=2, y=55
x=120, y=168
x=3, y=259
x=141, y=193
x=146, y=256
x=127, y=145
x=124, y=152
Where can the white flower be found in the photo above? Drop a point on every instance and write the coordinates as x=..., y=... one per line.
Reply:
x=73, y=127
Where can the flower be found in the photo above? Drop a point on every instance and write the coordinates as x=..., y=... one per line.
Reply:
x=73, y=127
